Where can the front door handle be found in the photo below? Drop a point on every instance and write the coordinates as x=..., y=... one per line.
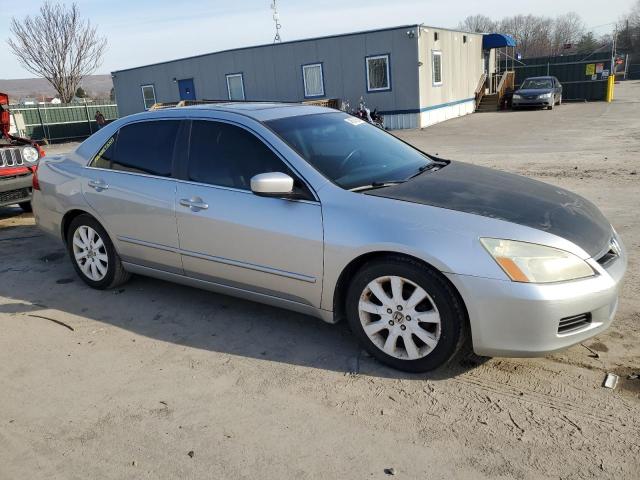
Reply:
x=194, y=203
x=98, y=185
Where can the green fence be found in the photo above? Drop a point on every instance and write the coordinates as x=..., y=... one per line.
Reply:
x=63, y=122
x=583, y=77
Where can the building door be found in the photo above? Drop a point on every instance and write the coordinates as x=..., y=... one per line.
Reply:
x=187, y=90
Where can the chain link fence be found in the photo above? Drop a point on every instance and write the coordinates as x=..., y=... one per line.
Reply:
x=64, y=122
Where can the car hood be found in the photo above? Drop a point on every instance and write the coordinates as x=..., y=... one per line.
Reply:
x=533, y=91
x=491, y=193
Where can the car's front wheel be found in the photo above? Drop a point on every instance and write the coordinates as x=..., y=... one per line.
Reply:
x=405, y=314
x=93, y=255
x=25, y=206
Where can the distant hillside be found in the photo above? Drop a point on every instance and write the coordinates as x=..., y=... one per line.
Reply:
x=97, y=86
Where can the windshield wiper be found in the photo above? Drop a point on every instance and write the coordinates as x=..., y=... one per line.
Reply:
x=426, y=168
x=374, y=185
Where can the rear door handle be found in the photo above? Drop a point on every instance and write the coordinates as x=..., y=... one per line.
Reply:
x=194, y=203
x=98, y=185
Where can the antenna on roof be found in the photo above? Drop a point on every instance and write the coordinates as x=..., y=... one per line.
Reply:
x=276, y=20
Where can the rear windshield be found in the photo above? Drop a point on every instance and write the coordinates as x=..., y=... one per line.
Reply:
x=348, y=151
x=537, y=83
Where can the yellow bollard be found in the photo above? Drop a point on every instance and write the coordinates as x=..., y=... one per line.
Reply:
x=610, y=86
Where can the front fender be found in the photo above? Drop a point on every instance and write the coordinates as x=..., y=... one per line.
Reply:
x=357, y=224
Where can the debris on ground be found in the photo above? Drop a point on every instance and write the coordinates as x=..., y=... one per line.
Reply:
x=594, y=354
x=52, y=257
x=191, y=453
x=54, y=321
x=390, y=471
x=633, y=376
x=610, y=381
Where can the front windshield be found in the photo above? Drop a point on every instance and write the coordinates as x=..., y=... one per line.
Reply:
x=537, y=83
x=348, y=151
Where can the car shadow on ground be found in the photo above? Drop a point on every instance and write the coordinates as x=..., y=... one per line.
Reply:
x=39, y=281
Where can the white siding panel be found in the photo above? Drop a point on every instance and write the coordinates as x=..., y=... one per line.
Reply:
x=431, y=117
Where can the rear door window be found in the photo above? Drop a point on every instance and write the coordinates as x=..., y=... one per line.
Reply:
x=229, y=156
x=146, y=147
x=105, y=154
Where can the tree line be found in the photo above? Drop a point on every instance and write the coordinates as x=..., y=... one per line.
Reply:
x=540, y=36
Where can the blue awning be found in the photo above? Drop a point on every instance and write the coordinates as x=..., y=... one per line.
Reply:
x=497, y=40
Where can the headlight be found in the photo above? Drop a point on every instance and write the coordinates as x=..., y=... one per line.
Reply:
x=545, y=95
x=532, y=263
x=30, y=154
x=516, y=96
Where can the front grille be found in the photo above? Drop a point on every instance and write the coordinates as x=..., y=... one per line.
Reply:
x=610, y=255
x=577, y=322
x=14, y=195
x=11, y=157
x=607, y=258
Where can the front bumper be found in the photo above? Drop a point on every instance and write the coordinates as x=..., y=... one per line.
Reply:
x=535, y=102
x=15, y=189
x=511, y=319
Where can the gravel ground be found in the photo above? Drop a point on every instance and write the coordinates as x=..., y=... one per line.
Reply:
x=161, y=381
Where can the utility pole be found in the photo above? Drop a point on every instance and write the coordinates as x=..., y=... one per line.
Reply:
x=276, y=20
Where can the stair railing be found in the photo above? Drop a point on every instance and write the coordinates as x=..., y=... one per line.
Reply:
x=506, y=81
x=479, y=93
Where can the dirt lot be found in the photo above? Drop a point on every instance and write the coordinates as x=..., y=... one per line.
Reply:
x=151, y=372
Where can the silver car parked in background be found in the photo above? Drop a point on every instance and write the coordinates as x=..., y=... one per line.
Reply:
x=538, y=92
x=317, y=211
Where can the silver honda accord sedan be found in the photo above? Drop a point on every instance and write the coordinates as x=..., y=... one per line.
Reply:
x=316, y=211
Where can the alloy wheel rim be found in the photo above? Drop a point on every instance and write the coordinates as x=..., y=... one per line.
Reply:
x=90, y=253
x=399, y=317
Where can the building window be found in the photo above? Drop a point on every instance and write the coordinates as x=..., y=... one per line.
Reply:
x=313, y=80
x=148, y=96
x=436, y=37
x=436, y=62
x=378, y=74
x=235, y=86
x=464, y=39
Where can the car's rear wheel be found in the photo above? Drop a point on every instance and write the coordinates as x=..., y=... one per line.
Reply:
x=93, y=255
x=405, y=314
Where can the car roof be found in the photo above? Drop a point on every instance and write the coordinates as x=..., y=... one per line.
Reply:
x=261, y=111
x=542, y=77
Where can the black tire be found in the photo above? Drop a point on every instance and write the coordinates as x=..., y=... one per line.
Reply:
x=26, y=206
x=453, y=319
x=116, y=274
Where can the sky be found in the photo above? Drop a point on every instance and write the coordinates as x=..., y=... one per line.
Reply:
x=141, y=32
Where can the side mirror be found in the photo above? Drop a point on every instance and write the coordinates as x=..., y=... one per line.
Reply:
x=273, y=184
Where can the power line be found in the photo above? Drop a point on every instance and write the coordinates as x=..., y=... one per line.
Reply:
x=603, y=25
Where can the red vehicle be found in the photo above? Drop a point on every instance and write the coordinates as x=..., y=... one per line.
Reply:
x=18, y=162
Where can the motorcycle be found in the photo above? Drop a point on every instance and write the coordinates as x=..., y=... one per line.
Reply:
x=363, y=112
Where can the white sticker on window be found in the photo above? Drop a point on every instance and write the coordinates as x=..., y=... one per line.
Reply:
x=354, y=121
